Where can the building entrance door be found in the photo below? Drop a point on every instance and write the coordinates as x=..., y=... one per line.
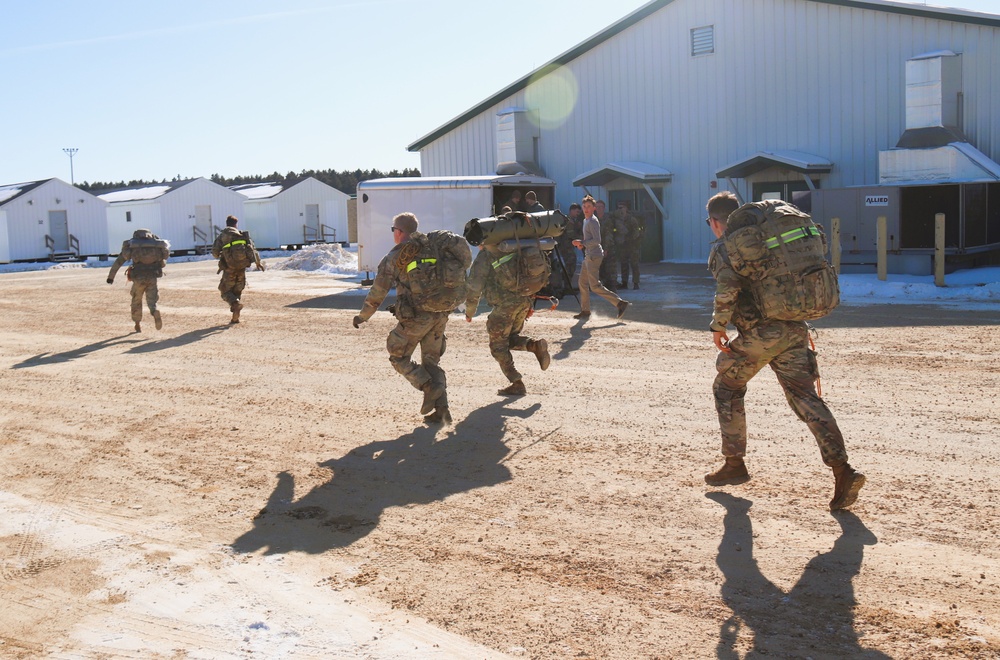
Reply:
x=59, y=231
x=641, y=205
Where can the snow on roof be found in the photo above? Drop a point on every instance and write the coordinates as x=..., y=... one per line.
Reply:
x=258, y=190
x=136, y=194
x=7, y=192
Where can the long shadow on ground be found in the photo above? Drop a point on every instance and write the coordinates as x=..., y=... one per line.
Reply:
x=69, y=356
x=815, y=618
x=416, y=468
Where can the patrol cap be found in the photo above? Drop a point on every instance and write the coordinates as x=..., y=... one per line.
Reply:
x=405, y=222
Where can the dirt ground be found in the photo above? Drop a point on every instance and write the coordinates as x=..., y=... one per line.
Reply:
x=269, y=489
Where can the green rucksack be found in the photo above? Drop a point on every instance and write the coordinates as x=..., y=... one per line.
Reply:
x=238, y=253
x=523, y=271
x=783, y=254
x=434, y=267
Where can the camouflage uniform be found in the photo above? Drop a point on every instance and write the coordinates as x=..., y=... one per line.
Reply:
x=612, y=238
x=631, y=248
x=415, y=326
x=234, y=280
x=566, y=250
x=505, y=322
x=783, y=345
x=143, y=277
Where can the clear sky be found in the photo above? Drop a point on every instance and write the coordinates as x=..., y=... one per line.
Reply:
x=151, y=89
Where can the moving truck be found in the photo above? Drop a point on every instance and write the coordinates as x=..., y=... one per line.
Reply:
x=438, y=202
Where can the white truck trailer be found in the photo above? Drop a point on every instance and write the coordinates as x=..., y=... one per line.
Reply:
x=438, y=202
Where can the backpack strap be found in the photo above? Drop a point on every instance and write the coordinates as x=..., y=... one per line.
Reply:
x=791, y=235
x=416, y=263
x=232, y=243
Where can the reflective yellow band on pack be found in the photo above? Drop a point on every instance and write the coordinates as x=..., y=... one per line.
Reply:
x=502, y=260
x=791, y=235
x=413, y=264
x=228, y=245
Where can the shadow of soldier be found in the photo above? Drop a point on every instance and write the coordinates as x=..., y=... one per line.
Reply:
x=579, y=333
x=815, y=618
x=67, y=356
x=180, y=340
x=416, y=468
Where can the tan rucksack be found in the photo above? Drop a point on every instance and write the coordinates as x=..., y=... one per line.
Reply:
x=783, y=254
x=434, y=267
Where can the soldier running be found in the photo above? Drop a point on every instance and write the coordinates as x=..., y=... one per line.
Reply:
x=782, y=345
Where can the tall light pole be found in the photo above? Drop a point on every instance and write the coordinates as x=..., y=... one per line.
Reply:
x=71, y=153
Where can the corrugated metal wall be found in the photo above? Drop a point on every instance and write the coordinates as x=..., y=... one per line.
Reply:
x=786, y=74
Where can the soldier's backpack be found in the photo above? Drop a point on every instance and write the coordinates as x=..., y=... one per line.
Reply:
x=237, y=253
x=434, y=267
x=524, y=271
x=148, y=251
x=783, y=254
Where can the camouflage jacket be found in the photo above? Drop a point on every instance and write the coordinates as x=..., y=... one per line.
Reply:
x=733, y=299
x=482, y=280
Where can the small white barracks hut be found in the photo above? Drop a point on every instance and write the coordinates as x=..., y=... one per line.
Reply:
x=309, y=211
x=683, y=98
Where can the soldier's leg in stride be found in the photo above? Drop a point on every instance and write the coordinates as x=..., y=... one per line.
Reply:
x=797, y=372
x=226, y=285
x=735, y=369
x=401, y=343
x=432, y=346
x=239, y=283
x=499, y=325
x=138, y=289
x=152, y=296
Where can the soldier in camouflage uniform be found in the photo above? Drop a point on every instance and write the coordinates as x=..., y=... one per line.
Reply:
x=143, y=275
x=505, y=322
x=234, y=276
x=566, y=250
x=631, y=245
x=782, y=345
x=415, y=327
x=609, y=243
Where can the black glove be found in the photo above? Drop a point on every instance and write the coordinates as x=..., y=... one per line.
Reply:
x=358, y=321
x=111, y=280
x=391, y=309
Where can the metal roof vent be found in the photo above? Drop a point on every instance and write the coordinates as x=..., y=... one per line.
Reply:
x=517, y=143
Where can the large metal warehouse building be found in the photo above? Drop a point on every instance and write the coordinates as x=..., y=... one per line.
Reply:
x=683, y=98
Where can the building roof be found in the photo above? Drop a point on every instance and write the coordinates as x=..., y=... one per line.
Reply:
x=258, y=190
x=921, y=11
x=798, y=161
x=142, y=193
x=12, y=191
x=634, y=170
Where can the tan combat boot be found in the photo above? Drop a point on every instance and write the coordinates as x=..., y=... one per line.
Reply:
x=732, y=473
x=138, y=328
x=432, y=392
x=439, y=416
x=541, y=350
x=157, y=320
x=514, y=389
x=235, y=309
x=845, y=490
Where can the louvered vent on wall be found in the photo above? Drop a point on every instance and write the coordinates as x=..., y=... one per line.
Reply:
x=703, y=40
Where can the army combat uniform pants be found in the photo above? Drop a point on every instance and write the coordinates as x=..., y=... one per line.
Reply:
x=630, y=261
x=426, y=330
x=504, y=326
x=784, y=346
x=144, y=286
x=232, y=284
